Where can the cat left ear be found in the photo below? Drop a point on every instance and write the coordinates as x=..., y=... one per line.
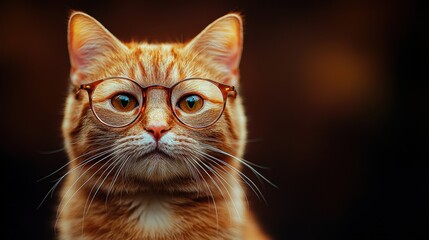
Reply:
x=88, y=43
x=222, y=43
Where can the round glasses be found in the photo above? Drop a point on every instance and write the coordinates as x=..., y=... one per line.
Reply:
x=195, y=102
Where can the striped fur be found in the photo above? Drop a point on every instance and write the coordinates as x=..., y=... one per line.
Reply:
x=122, y=194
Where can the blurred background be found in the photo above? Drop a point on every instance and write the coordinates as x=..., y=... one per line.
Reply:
x=336, y=94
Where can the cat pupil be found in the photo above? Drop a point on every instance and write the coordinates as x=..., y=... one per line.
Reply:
x=125, y=100
x=191, y=101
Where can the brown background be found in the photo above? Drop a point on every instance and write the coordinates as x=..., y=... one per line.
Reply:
x=336, y=95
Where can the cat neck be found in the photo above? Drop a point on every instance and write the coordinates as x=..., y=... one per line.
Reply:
x=155, y=215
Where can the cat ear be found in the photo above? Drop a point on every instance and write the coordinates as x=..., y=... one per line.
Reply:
x=222, y=43
x=88, y=42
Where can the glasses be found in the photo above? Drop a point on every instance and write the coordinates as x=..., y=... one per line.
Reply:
x=195, y=102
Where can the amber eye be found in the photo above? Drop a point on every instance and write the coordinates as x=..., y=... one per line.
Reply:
x=124, y=102
x=190, y=103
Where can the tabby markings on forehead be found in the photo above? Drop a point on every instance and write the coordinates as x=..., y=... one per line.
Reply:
x=157, y=67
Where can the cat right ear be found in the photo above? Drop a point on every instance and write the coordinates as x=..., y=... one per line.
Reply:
x=88, y=42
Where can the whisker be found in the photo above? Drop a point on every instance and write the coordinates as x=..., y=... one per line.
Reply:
x=63, y=148
x=221, y=180
x=220, y=167
x=194, y=175
x=115, y=177
x=77, y=180
x=209, y=147
x=69, y=162
x=74, y=183
x=208, y=188
x=243, y=176
x=235, y=143
x=83, y=163
x=48, y=152
x=114, y=161
x=85, y=209
x=231, y=141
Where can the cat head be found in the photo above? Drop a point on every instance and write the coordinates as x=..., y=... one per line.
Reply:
x=156, y=148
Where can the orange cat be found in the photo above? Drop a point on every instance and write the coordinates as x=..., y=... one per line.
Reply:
x=155, y=133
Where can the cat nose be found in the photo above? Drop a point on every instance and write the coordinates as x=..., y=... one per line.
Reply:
x=157, y=131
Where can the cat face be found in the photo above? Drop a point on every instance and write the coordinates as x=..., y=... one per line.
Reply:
x=156, y=149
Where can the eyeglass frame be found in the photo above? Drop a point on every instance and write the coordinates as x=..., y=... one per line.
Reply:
x=226, y=91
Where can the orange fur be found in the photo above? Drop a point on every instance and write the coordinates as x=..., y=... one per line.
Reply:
x=153, y=198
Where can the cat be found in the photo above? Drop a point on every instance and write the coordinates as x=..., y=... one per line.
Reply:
x=155, y=134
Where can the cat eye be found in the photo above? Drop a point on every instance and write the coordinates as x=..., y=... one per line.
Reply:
x=124, y=102
x=195, y=102
x=190, y=103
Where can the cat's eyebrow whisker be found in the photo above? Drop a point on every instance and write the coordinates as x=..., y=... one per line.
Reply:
x=245, y=163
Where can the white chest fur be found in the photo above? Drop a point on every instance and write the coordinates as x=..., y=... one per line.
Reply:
x=152, y=213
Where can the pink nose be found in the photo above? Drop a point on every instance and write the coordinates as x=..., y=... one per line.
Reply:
x=157, y=131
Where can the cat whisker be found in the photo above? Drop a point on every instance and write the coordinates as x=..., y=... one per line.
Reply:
x=64, y=205
x=244, y=162
x=58, y=181
x=72, y=160
x=221, y=180
x=53, y=151
x=115, y=161
x=115, y=177
x=221, y=168
x=114, y=164
x=216, y=140
x=234, y=144
x=243, y=176
x=216, y=185
x=80, y=176
x=195, y=170
x=87, y=207
x=63, y=149
x=208, y=188
x=194, y=175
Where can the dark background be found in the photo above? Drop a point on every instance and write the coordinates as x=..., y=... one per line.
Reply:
x=336, y=95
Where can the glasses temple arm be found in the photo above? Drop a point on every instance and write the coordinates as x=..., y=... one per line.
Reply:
x=77, y=89
x=232, y=92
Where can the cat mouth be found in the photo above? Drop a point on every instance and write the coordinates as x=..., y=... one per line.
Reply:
x=156, y=154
